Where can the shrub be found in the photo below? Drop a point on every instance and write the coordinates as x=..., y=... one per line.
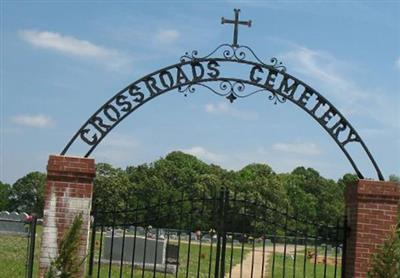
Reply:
x=386, y=262
x=67, y=264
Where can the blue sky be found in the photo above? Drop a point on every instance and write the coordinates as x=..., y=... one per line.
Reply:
x=61, y=61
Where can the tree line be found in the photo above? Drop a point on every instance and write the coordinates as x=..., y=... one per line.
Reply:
x=303, y=192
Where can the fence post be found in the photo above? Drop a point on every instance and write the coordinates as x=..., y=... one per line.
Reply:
x=32, y=239
x=223, y=230
x=92, y=245
x=68, y=193
x=219, y=231
x=371, y=209
x=344, y=247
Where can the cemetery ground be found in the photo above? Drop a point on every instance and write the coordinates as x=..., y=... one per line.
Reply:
x=13, y=260
x=13, y=254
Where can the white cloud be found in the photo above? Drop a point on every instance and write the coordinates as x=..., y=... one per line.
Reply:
x=290, y=156
x=224, y=108
x=205, y=154
x=331, y=76
x=39, y=121
x=325, y=68
x=398, y=63
x=167, y=36
x=216, y=108
x=297, y=148
x=118, y=149
x=75, y=47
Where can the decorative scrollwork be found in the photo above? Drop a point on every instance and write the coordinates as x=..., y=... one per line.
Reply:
x=231, y=90
x=277, y=64
x=276, y=98
x=187, y=89
x=233, y=53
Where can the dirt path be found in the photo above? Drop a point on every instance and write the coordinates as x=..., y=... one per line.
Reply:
x=246, y=269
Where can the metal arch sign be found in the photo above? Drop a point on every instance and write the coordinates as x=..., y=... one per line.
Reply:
x=212, y=72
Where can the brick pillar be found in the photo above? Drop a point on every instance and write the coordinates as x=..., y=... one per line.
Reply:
x=68, y=192
x=371, y=208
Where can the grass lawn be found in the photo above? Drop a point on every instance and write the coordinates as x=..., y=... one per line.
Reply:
x=13, y=252
x=13, y=255
x=299, y=270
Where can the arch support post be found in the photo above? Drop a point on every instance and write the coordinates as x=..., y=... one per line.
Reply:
x=371, y=208
x=68, y=193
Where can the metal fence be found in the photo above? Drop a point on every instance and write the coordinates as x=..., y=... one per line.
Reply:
x=220, y=235
x=17, y=244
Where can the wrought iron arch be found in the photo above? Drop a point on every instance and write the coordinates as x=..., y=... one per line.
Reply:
x=207, y=72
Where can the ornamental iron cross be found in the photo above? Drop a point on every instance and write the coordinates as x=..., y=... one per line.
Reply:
x=236, y=23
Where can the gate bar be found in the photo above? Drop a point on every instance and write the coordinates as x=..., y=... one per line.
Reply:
x=92, y=244
x=220, y=216
x=32, y=238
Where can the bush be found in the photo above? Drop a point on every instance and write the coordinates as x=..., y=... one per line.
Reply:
x=386, y=262
x=68, y=264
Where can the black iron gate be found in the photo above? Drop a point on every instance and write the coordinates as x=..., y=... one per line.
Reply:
x=221, y=234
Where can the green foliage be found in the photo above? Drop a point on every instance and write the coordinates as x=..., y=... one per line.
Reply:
x=306, y=193
x=386, y=262
x=112, y=188
x=394, y=178
x=5, y=192
x=315, y=197
x=67, y=264
x=27, y=193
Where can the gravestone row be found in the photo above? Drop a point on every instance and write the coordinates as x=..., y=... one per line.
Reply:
x=13, y=223
x=150, y=248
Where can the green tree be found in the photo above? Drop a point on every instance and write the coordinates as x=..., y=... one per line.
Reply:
x=5, y=191
x=327, y=194
x=112, y=188
x=394, y=178
x=168, y=179
x=306, y=193
x=347, y=179
x=27, y=193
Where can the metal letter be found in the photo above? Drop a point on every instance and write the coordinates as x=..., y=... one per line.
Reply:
x=106, y=112
x=139, y=95
x=181, y=76
x=272, y=74
x=194, y=71
x=123, y=103
x=213, y=66
x=86, y=140
x=253, y=72
x=286, y=89
x=151, y=85
x=170, y=79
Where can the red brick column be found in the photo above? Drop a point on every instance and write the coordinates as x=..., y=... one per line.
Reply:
x=68, y=192
x=371, y=208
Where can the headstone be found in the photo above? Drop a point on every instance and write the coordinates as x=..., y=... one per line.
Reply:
x=185, y=237
x=154, y=253
x=173, y=236
x=329, y=249
x=267, y=241
x=13, y=223
x=172, y=254
x=140, y=231
x=206, y=238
